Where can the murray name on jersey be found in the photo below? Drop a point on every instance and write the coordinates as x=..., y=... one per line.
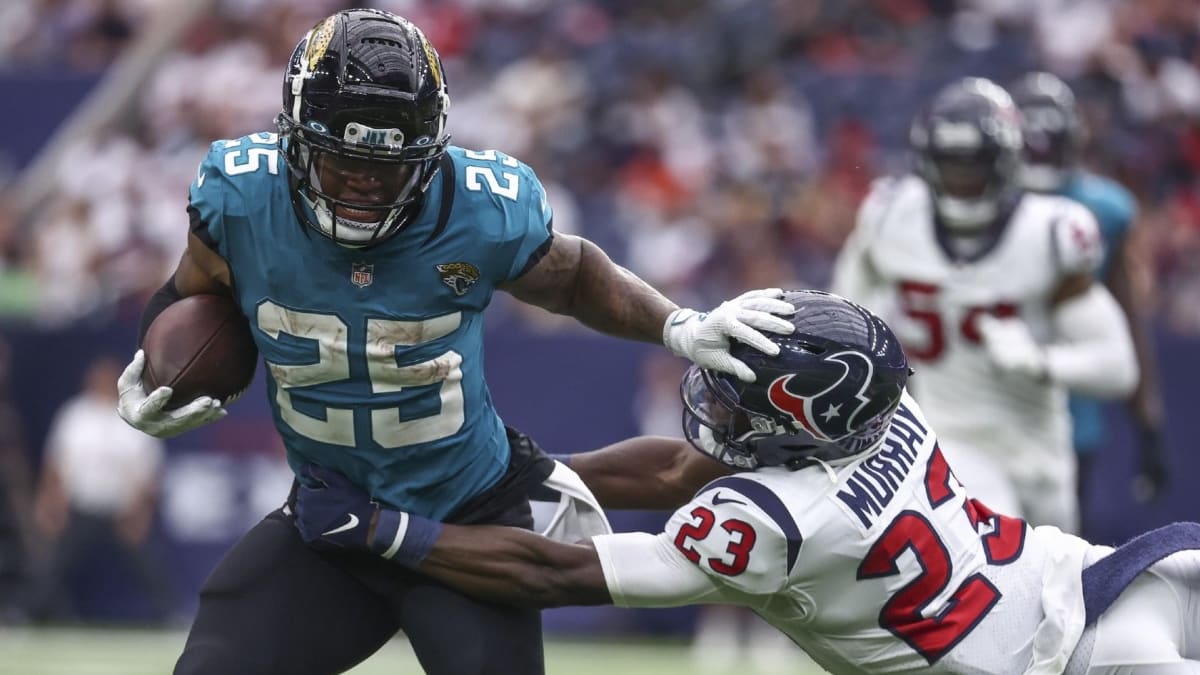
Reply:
x=375, y=354
x=867, y=492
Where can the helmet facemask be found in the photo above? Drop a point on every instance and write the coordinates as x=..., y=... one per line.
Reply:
x=717, y=423
x=968, y=191
x=390, y=176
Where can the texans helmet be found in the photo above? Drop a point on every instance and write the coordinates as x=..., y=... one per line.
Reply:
x=967, y=146
x=828, y=395
x=1052, y=130
x=363, y=125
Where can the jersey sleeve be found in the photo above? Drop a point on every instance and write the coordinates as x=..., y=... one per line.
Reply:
x=645, y=570
x=1078, y=246
x=531, y=223
x=210, y=198
x=739, y=533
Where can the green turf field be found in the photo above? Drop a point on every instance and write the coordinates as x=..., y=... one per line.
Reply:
x=122, y=652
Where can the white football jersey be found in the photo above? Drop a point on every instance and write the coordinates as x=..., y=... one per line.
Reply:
x=881, y=565
x=894, y=264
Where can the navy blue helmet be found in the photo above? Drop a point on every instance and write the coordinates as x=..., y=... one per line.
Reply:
x=1052, y=130
x=967, y=146
x=363, y=124
x=829, y=394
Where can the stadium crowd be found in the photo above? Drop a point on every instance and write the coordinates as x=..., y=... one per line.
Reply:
x=709, y=146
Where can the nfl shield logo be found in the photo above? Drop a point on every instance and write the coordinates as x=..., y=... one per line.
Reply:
x=362, y=274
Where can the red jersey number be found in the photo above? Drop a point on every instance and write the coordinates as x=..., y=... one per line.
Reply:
x=919, y=301
x=742, y=538
x=907, y=614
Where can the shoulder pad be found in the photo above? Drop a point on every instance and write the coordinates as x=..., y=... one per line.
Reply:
x=1078, y=245
x=507, y=206
x=508, y=181
x=739, y=531
x=233, y=173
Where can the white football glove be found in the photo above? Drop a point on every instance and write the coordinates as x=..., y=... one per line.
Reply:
x=145, y=413
x=705, y=337
x=1012, y=348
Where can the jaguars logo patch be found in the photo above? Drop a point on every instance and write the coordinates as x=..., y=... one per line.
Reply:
x=459, y=276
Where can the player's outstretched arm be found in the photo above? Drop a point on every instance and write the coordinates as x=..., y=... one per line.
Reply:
x=516, y=567
x=576, y=278
x=500, y=564
x=647, y=472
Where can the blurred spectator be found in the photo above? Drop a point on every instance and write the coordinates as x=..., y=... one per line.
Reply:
x=84, y=34
x=98, y=492
x=16, y=502
x=647, y=121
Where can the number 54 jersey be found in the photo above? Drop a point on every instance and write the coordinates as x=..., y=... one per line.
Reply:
x=897, y=263
x=375, y=355
x=880, y=565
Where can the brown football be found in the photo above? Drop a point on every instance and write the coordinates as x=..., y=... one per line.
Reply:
x=200, y=346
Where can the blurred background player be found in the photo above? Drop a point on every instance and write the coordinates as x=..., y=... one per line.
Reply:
x=16, y=499
x=1053, y=130
x=990, y=289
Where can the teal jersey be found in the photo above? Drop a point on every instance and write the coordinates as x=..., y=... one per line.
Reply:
x=1114, y=208
x=375, y=355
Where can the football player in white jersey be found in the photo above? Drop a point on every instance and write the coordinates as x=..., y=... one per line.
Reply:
x=833, y=514
x=990, y=290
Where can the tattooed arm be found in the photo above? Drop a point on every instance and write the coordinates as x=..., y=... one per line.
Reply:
x=578, y=279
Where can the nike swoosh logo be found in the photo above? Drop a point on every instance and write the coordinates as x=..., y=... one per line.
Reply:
x=200, y=180
x=717, y=500
x=350, y=525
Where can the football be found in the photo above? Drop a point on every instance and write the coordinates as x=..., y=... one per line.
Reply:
x=199, y=346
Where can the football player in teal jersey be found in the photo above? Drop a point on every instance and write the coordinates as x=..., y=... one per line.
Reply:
x=364, y=248
x=1053, y=133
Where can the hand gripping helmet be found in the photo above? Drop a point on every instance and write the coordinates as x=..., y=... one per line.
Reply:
x=363, y=125
x=828, y=395
x=967, y=146
x=1052, y=130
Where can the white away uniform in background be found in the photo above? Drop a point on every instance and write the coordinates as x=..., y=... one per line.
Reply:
x=1008, y=437
x=882, y=565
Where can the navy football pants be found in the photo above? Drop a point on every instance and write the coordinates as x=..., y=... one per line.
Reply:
x=273, y=606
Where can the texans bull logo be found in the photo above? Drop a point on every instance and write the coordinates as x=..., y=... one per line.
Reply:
x=830, y=414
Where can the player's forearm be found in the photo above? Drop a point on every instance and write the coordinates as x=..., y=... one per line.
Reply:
x=516, y=567
x=1094, y=355
x=611, y=299
x=648, y=472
